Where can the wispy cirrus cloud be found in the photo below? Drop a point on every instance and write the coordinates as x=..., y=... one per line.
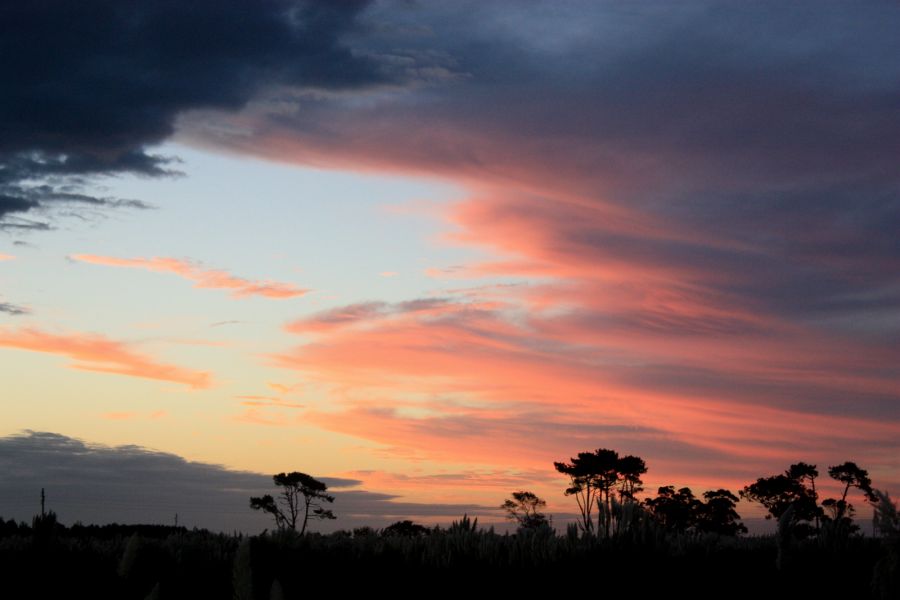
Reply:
x=274, y=401
x=97, y=353
x=285, y=389
x=201, y=276
x=702, y=396
x=363, y=313
x=14, y=309
x=701, y=221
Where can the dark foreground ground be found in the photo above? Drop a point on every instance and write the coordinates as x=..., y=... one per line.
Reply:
x=138, y=562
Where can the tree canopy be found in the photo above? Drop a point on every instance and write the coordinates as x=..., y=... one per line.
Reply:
x=796, y=490
x=524, y=509
x=301, y=494
x=594, y=477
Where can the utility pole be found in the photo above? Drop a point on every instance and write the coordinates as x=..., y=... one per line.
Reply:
x=43, y=513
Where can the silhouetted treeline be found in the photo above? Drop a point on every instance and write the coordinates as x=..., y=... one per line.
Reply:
x=99, y=532
x=673, y=541
x=606, y=484
x=140, y=562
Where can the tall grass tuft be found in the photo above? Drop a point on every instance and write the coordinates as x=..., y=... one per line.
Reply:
x=886, y=574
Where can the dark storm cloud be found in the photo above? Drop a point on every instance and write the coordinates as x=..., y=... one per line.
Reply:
x=765, y=134
x=90, y=84
x=130, y=484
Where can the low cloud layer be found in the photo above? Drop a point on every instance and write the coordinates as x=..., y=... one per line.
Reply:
x=130, y=484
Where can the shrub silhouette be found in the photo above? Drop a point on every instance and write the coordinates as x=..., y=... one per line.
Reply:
x=405, y=528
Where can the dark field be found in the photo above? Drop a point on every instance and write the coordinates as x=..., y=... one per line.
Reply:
x=138, y=562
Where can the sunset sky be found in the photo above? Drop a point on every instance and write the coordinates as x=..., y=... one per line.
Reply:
x=427, y=249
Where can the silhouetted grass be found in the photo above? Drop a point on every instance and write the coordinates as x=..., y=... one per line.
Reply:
x=125, y=562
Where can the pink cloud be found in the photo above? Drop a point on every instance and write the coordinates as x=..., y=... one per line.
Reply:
x=366, y=313
x=99, y=354
x=282, y=388
x=579, y=381
x=202, y=277
x=714, y=296
x=272, y=401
